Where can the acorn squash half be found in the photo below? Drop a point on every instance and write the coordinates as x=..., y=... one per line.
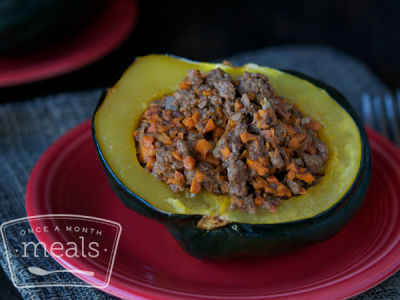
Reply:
x=300, y=221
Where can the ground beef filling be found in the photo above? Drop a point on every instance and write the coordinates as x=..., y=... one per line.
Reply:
x=231, y=137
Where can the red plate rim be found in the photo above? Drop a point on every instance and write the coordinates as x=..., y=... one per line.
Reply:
x=357, y=282
x=124, y=14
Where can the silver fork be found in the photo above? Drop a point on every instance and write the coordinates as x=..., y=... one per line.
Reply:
x=383, y=114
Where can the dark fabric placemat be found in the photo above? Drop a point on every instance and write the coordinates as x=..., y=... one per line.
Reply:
x=27, y=129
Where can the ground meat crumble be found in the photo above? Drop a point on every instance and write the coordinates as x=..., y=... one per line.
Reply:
x=232, y=137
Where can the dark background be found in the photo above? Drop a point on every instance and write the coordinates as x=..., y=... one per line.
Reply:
x=214, y=30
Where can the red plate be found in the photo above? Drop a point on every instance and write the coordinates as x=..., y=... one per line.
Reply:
x=100, y=37
x=69, y=179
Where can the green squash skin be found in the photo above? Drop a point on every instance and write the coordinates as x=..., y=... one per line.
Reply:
x=237, y=239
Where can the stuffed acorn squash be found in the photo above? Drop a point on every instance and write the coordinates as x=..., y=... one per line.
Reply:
x=299, y=221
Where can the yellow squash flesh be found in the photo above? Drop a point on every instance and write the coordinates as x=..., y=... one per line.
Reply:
x=152, y=76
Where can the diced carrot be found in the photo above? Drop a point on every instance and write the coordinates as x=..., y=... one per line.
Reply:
x=202, y=147
x=256, y=117
x=152, y=112
x=162, y=128
x=267, y=146
x=296, y=141
x=207, y=93
x=150, y=151
x=196, y=116
x=150, y=163
x=184, y=85
x=178, y=179
x=195, y=187
x=245, y=137
x=258, y=201
x=261, y=124
x=283, y=191
x=225, y=153
x=236, y=202
x=251, y=96
x=231, y=123
x=199, y=176
x=269, y=189
x=292, y=171
x=291, y=131
x=176, y=155
x=262, y=113
x=302, y=191
x=152, y=128
x=189, y=163
x=212, y=159
x=256, y=166
x=244, y=154
x=176, y=121
x=188, y=122
x=146, y=148
x=292, y=167
x=210, y=126
x=173, y=132
x=297, y=123
x=172, y=181
x=146, y=153
x=268, y=116
x=291, y=175
x=164, y=138
x=272, y=179
x=148, y=140
x=259, y=183
x=218, y=132
x=263, y=160
x=306, y=177
x=314, y=125
x=238, y=105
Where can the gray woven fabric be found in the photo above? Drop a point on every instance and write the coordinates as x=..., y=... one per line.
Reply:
x=27, y=129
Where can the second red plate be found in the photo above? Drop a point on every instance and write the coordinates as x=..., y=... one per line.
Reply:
x=69, y=179
x=108, y=30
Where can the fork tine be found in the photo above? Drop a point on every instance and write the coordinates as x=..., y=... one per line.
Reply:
x=398, y=102
x=381, y=116
x=366, y=110
x=392, y=113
